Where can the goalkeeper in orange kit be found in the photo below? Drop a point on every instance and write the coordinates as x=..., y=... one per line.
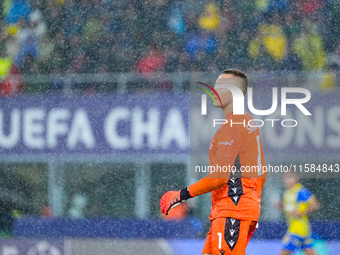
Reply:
x=235, y=195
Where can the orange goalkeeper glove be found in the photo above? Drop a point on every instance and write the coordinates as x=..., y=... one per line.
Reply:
x=173, y=198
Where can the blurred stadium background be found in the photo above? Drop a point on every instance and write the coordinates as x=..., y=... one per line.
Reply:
x=94, y=117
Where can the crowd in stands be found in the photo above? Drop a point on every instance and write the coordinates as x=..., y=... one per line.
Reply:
x=108, y=36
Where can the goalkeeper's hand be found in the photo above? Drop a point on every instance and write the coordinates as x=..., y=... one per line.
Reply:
x=173, y=198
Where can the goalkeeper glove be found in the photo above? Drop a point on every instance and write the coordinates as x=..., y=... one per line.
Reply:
x=172, y=199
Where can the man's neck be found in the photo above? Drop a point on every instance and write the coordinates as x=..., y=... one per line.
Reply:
x=293, y=187
x=227, y=109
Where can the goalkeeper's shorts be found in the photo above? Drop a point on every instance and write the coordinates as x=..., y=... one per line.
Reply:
x=228, y=236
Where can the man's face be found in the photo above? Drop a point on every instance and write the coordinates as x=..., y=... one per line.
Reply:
x=224, y=93
x=290, y=180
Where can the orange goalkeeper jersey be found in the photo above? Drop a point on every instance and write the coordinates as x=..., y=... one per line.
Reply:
x=236, y=193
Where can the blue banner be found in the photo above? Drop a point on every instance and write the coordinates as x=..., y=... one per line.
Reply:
x=150, y=124
x=94, y=125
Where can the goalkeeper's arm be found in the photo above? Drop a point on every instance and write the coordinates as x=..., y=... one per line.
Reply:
x=207, y=184
x=214, y=180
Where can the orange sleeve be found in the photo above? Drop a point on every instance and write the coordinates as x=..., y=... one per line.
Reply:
x=225, y=148
x=206, y=184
